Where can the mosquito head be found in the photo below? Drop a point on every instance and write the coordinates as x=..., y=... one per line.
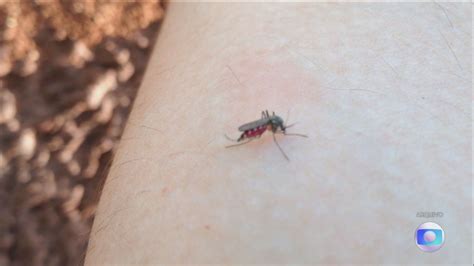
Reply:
x=277, y=122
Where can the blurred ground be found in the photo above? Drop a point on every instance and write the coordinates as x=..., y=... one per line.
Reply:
x=69, y=71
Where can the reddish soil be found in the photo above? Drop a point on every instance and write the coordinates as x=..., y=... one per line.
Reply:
x=69, y=72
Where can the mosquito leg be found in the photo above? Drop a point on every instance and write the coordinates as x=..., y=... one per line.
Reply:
x=291, y=134
x=239, y=144
x=278, y=145
x=227, y=137
x=295, y=134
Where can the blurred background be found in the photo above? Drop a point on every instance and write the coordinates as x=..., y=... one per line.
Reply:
x=69, y=72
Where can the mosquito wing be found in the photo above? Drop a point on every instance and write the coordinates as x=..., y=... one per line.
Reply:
x=254, y=124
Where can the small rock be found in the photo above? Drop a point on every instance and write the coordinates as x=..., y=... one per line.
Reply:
x=75, y=198
x=5, y=62
x=7, y=106
x=80, y=54
x=142, y=41
x=98, y=90
x=43, y=158
x=122, y=56
x=73, y=167
x=27, y=144
x=107, y=145
x=106, y=110
x=126, y=72
x=29, y=64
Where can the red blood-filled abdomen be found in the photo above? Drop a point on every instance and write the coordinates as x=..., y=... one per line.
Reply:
x=255, y=132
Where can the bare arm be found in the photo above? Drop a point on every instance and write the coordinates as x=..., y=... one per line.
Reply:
x=383, y=96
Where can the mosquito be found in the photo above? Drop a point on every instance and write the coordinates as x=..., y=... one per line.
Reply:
x=255, y=129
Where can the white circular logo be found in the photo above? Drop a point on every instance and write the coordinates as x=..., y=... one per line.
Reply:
x=429, y=237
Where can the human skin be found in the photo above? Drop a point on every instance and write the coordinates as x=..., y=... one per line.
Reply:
x=382, y=90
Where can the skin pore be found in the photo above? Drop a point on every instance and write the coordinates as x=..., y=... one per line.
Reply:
x=385, y=105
